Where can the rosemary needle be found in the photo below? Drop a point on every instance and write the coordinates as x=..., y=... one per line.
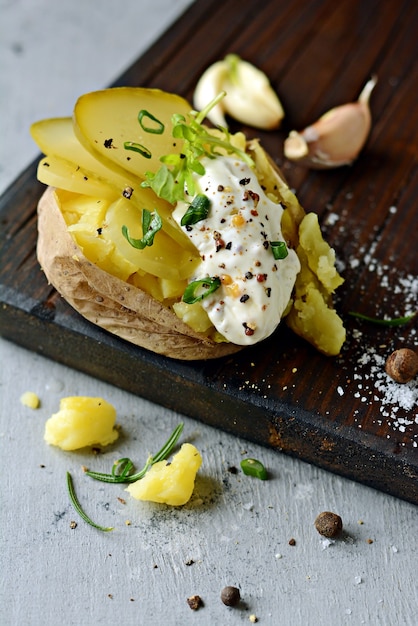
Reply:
x=396, y=321
x=121, y=469
x=76, y=504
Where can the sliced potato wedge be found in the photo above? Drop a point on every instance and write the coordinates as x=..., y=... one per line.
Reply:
x=105, y=120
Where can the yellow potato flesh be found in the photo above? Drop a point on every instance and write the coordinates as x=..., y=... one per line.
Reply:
x=57, y=172
x=312, y=315
x=170, y=482
x=105, y=120
x=56, y=138
x=165, y=258
x=30, y=399
x=81, y=421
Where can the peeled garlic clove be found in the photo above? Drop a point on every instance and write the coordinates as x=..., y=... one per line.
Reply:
x=250, y=98
x=338, y=136
x=208, y=87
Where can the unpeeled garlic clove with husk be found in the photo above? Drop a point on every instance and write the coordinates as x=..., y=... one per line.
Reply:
x=250, y=98
x=337, y=137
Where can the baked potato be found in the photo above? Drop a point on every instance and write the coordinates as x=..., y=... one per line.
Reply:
x=125, y=219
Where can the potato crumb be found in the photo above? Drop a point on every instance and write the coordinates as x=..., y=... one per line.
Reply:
x=30, y=399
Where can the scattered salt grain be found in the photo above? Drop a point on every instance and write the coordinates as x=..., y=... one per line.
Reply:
x=326, y=543
x=358, y=580
x=394, y=549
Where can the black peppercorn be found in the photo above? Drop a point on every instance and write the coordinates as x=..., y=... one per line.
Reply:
x=230, y=596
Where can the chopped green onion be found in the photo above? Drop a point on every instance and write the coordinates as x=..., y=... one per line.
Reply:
x=121, y=469
x=137, y=147
x=198, y=210
x=252, y=467
x=199, y=289
x=279, y=249
x=156, y=130
x=151, y=224
x=396, y=321
x=76, y=504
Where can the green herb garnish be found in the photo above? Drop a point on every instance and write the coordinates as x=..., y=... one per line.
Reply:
x=199, y=289
x=198, y=210
x=121, y=469
x=151, y=224
x=137, y=147
x=158, y=129
x=279, y=249
x=252, y=467
x=175, y=176
x=76, y=504
x=396, y=321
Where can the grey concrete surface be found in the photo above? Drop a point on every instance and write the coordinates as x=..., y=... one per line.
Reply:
x=236, y=529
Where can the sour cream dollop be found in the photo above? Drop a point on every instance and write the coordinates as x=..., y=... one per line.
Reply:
x=234, y=243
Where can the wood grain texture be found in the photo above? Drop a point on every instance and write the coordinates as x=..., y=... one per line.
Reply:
x=282, y=394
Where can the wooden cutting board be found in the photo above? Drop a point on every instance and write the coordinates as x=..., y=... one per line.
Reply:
x=343, y=413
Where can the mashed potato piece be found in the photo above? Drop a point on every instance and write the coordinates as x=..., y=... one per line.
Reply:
x=169, y=482
x=82, y=421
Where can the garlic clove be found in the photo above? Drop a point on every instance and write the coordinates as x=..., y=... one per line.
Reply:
x=207, y=88
x=250, y=98
x=337, y=137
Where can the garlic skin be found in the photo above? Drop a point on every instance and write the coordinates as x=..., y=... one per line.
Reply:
x=337, y=137
x=250, y=98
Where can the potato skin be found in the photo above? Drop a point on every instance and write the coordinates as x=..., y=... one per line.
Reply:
x=117, y=307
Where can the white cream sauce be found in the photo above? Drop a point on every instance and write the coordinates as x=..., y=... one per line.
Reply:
x=234, y=245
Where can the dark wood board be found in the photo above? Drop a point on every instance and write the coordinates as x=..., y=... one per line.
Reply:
x=282, y=394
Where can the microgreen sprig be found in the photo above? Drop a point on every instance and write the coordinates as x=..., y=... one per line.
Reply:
x=121, y=470
x=175, y=176
x=77, y=506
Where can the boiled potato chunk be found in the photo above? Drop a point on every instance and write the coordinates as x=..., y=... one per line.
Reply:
x=165, y=258
x=312, y=315
x=194, y=315
x=105, y=120
x=320, y=256
x=169, y=483
x=82, y=421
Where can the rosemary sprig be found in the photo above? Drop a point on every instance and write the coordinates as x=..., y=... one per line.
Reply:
x=396, y=321
x=76, y=504
x=121, y=469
